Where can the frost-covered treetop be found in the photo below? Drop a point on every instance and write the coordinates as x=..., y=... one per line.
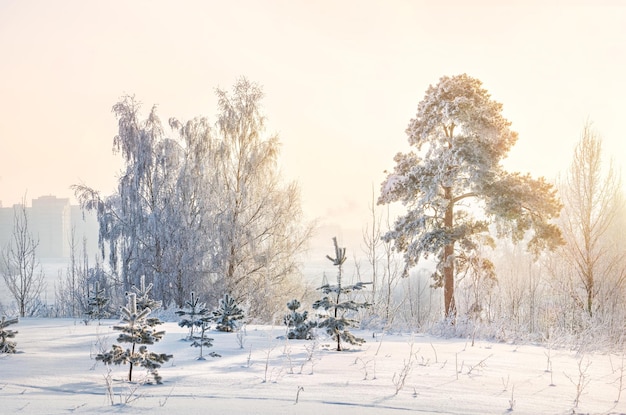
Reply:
x=459, y=107
x=460, y=136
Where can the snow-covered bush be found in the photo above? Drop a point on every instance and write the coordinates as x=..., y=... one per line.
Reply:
x=227, y=314
x=6, y=345
x=297, y=324
x=138, y=330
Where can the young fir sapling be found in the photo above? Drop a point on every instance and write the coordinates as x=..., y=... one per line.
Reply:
x=6, y=345
x=137, y=329
x=336, y=308
x=97, y=304
x=197, y=315
x=227, y=314
x=194, y=315
x=202, y=341
x=297, y=324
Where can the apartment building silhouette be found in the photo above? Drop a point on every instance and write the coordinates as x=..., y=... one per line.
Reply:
x=52, y=221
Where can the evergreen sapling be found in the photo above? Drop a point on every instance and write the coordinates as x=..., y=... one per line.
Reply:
x=336, y=308
x=193, y=315
x=227, y=314
x=97, y=304
x=297, y=324
x=6, y=345
x=197, y=315
x=202, y=341
x=138, y=330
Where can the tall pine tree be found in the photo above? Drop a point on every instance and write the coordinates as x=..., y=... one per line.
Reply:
x=460, y=139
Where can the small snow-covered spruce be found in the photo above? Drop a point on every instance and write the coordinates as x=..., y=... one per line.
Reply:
x=138, y=330
x=97, y=304
x=197, y=315
x=194, y=315
x=201, y=341
x=297, y=324
x=335, y=320
x=6, y=345
x=227, y=314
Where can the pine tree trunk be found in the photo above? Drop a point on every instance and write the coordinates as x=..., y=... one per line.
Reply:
x=336, y=314
x=130, y=370
x=448, y=261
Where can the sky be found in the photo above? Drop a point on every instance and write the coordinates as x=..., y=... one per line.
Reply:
x=342, y=79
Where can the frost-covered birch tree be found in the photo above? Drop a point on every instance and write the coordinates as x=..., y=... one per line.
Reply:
x=192, y=228
x=592, y=199
x=72, y=290
x=134, y=221
x=19, y=266
x=383, y=264
x=204, y=210
x=259, y=218
x=454, y=187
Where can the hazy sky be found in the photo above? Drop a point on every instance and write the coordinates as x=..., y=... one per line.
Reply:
x=342, y=80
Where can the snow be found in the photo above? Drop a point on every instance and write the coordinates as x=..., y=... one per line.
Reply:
x=54, y=372
x=390, y=185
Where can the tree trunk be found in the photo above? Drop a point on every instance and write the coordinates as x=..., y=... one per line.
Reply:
x=448, y=261
x=130, y=370
x=337, y=314
x=590, y=288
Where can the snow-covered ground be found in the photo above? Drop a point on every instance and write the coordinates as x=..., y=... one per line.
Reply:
x=54, y=372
